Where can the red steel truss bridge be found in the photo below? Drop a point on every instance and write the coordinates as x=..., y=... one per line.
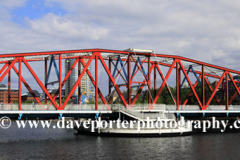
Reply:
x=137, y=68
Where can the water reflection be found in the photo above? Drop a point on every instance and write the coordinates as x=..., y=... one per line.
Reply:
x=62, y=144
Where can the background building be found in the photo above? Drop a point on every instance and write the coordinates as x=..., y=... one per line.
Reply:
x=4, y=94
x=53, y=91
x=28, y=96
x=86, y=84
x=221, y=92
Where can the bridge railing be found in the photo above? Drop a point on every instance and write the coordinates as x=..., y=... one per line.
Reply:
x=140, y=107
x=216, y=107
x=28, y=107
x=83, y=107
x=174, y=107
x=197, y=108
x=234, y=107
x=101, y=107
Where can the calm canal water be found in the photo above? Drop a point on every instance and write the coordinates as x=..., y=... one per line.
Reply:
x=63, y=144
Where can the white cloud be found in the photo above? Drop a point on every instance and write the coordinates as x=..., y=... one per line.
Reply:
x=12, y=3
x=64, y=27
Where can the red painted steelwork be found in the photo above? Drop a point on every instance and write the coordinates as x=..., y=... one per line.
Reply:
x=94, y=84
x=140, y=89
x=76, y=83
x=160, y=73
x=178, y=85
x=190, y=84
x=117, y=52
x=4, y=67
x=65, y=79
x=39, y=82
x=139, y=68
x=119, y=73
x=203, y=86
x=235, y=85
x=60, y=80
x=109, y=81
x=45, y=75
x=8, y=69
x=9, y=86
x=97, y=55
x=215, y=90
x=155, y=80
x=113, y=81
x=149, y=82
x=227, y=91
x=164, y=82
x=96, y=79
x=19, y=85
x=129, y=80
x=210, y=87
x=79, y=85
x=27, y=86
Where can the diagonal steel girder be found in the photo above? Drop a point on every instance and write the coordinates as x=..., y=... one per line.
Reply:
x=215, y=90
x=78, y=81
x=40, y=83
x=27, y=86
x=8, y=69
x=94, y=84
x=113, y=80
x=236, y=87
x=161, y=75
x=140, y=89
x=65, y=79
x=164, y=82
x=190, y=84
x=3, y=68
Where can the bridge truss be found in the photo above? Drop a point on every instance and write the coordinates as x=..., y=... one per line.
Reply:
x=131, y=62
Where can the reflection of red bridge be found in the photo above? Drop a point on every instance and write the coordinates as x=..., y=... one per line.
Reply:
x=128, y=65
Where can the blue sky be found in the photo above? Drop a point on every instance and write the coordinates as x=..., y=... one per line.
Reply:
x=205, y=30
x=35, y=10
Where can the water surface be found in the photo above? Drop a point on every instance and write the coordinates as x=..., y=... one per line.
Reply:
x=64, y=144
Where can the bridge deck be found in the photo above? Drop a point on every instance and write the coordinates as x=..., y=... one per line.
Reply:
x=38, y=111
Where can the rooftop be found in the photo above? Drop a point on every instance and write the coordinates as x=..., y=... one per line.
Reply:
x=28, y=94
x=3, y=86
